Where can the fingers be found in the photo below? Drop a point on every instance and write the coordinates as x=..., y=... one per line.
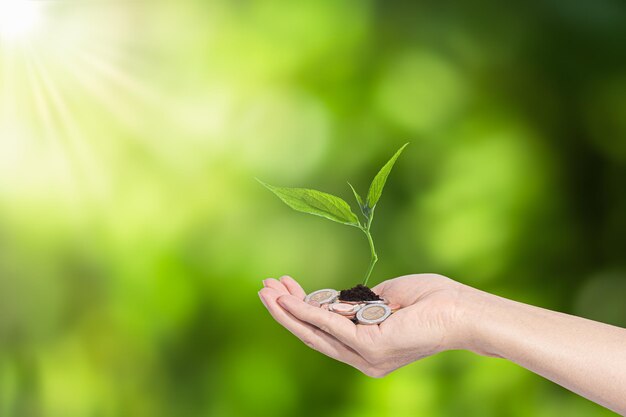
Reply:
x=275, y=284
x=335, y=325
x=310, y=335
x=293, y=287
x=396, y=297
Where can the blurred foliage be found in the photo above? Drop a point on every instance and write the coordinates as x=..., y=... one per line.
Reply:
x=133, y=237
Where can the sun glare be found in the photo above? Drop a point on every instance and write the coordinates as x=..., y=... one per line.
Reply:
x=18, y=18
x=58, y=86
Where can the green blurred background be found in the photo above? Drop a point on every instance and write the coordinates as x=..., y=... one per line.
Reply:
x=133, y=237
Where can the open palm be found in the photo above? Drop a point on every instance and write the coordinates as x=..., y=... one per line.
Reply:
x=422, y=326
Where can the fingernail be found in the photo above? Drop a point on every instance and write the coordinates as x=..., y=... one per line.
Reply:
x=261, y=297
x=281, y=301
x=264, y=284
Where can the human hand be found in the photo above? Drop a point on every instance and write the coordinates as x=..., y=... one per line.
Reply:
x=437, y=314
x=428, y=322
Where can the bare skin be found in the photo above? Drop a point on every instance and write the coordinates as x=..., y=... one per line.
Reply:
x=439, y=314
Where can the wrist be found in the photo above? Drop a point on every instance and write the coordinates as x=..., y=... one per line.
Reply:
x=475, y=312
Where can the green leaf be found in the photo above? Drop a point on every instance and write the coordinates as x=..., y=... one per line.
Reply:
x=376, y=188
x=357, y=196
x=315, y=202
x=359, y=200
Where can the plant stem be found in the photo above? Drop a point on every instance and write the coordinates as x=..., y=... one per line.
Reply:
x=367, y=232
x=374, y=256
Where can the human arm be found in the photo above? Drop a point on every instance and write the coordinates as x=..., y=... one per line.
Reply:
x=584, y=356
x=439, y=314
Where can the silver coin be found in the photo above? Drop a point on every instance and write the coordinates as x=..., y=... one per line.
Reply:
x=373, y=314
x=324, y=296
x=382, y=301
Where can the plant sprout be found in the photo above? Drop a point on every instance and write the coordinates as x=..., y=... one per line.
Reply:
x=336, y=209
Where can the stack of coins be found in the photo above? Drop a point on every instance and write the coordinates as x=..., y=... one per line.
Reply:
x=360, y=312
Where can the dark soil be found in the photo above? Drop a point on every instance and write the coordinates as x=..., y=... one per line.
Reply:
x=358, y=293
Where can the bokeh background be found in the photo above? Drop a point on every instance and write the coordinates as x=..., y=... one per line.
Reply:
x=134, y=238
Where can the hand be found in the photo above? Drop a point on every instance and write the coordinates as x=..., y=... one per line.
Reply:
x=427, y=322
x=440, y=314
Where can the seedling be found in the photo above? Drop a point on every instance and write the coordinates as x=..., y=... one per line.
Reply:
x=336, y=209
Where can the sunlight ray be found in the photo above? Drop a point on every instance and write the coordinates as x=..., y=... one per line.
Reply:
x=114, y=74
x=42, y=105
x=122, y=96
x=80, y=156
x=12, y=147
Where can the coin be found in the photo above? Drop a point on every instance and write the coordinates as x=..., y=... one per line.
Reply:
x=373, y=314
x=381, y=301
x=344, y=309
x=322, y=296
x=350, y=302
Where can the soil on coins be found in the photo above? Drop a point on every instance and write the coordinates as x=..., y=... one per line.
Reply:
x=358, y=293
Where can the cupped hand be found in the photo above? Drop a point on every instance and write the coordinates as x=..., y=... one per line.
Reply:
x=428, y=321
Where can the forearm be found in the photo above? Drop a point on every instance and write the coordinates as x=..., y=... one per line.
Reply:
x=586, y=357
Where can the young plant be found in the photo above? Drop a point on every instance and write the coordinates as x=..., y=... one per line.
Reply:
x=336, y=209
